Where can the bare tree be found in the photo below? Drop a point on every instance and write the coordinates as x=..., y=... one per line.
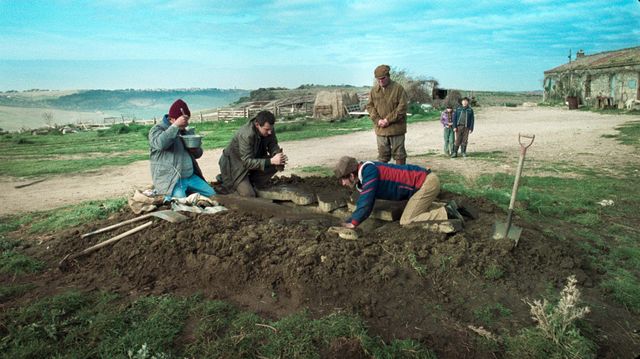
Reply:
x=48, y=118
x=419, y=89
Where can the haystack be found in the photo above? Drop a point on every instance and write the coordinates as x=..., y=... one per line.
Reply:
x=332, y=105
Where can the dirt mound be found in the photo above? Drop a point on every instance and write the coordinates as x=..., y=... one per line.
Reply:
x=405, y=282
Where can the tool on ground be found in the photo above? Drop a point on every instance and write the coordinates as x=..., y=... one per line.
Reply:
x=30, y=183
x=503, y=230
x=94, y=248
x=167, y=215
x=344, y=233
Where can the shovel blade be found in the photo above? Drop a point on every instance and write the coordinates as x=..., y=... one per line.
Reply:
x=169, y=215
x=500, y=231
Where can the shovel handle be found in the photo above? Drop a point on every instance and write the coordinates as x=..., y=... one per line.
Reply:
x=117, y=225
x=107, y=242
x=524, y=146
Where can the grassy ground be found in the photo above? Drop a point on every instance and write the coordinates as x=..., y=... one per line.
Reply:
x=76, y=324
x=24, y=155
x=607, y=232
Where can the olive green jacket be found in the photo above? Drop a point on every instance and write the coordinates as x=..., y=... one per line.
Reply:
x=389, y=103
x=247, y=151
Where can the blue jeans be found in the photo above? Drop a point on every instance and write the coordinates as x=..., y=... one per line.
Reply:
x=189, y=185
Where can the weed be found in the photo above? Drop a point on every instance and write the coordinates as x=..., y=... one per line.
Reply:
x=419, y=268
x=445, y=261
x=493, y=272
x=555, y=335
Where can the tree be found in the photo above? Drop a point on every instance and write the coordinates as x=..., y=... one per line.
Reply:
x=419, y=89
x=48, y=118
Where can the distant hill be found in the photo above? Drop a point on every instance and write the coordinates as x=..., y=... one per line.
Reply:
x=129, y=103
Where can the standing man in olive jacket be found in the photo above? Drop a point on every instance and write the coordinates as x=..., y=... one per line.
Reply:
x=252, y=157
x=387, y=108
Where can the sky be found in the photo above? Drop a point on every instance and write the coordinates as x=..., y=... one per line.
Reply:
x=471, y=45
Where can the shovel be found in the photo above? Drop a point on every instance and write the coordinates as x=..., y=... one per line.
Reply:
x=503, y=230
x=167, y=215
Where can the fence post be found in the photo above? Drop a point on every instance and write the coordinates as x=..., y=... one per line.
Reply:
x=201, y=119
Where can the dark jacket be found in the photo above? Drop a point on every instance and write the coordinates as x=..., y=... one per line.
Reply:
x=470, y=117
x=247, y=151
x=169, y=159
x=385, y=181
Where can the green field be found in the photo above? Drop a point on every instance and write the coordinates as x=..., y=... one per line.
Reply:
x=25, y=155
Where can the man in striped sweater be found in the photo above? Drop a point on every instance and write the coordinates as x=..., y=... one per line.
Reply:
x=391, y=182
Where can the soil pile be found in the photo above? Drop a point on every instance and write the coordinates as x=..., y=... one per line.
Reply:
x=405, y=282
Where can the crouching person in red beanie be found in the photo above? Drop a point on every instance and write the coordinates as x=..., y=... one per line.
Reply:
x=174, y=169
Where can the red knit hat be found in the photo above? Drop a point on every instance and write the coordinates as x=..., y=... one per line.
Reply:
x=178, y=109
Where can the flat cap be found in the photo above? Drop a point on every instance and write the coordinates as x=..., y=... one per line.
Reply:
x=346, y=165
x=381, y=71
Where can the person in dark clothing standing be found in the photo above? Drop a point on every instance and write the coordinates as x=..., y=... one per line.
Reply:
x=463, y=120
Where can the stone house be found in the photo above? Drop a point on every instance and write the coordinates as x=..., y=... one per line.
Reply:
x=605, y=79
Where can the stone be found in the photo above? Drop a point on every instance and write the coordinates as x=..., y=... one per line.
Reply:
x=287, y=193
x=384, y=210
x=448, y=226
x=328, y=203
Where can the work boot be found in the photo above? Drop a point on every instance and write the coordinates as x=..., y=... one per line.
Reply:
x=452, y=211
x=401, y=162
x=464, y=151
x=455, y=152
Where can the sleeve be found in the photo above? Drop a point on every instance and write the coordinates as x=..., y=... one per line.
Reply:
x=400, y=111
x=371, y=108
x=472, y=119
x=272, y=145
x=245, y=146
x=443, y=119
x=455, y=118
x=197, y=153
x=161, y=139
x=364, y=206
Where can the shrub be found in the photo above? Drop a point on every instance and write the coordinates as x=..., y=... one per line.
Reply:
x=555, y=335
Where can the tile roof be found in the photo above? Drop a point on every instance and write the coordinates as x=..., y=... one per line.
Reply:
x=624, y=57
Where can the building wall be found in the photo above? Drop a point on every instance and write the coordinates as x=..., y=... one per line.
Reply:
x=620, y=84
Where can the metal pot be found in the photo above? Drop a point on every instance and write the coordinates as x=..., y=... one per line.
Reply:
x=192, y=141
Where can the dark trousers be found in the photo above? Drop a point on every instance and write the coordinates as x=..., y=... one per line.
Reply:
x=462, y=136
x=257, y=179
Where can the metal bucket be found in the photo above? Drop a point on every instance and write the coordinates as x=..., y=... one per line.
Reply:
x=192, y=141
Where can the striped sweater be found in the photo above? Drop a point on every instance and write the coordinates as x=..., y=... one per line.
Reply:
x=385, y=181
